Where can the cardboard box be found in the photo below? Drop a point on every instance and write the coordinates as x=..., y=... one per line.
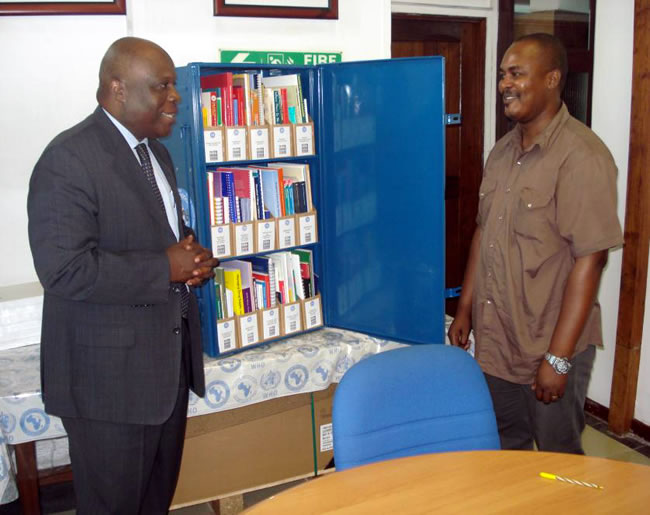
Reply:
x=247, y=448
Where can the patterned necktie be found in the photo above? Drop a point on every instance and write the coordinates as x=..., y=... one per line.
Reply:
x=147, y=168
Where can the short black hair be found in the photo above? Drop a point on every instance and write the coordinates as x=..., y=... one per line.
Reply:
x=554, y=50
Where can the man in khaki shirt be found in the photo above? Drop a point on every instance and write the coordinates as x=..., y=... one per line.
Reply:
x=547, y=217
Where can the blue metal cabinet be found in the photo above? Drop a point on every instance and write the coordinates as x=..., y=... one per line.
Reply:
x=378, y=186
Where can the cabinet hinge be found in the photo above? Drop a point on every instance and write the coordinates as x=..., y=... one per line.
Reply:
x=453, y=119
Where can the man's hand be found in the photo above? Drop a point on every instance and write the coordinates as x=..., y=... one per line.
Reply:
x=205, y=264
x=459, y=330
x=190, y=263
x=549, y=385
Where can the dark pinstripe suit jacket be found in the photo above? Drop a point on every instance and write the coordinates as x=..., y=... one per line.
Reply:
x=110, y=346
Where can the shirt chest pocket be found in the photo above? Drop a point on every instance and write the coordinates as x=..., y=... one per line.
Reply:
x=534, y=220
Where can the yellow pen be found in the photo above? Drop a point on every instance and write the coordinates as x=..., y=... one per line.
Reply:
x=546, y=475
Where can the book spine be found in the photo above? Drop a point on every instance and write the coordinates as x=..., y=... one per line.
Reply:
x=260, y=97
x=213, y=109
x=248, y=302
x=285, y=105
x=228, y=187
x=277, y=106
x=273, y=287
x=302, y=103
x=259, y=196
x=211, y=204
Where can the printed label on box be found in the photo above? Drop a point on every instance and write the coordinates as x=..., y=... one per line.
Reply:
x=313, y=313
x=292, y=318
x=265, y=235
x=226, y=335
x=307, y=229
x=249, y=330
x=243, y=239
x=304, y=140
x=221, y=241
x=326, y=438
x=270, y=323
x=282, y=141
x=236, y=141
x=213, y=142
x=286, y=233
x=259, y=146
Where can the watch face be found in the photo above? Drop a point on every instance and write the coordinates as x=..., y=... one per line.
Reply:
x=562, y=366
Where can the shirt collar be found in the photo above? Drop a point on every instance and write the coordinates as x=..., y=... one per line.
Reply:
x=126, y=133
x=543, y=138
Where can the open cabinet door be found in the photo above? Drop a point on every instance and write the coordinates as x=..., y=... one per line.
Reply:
x=382, y=197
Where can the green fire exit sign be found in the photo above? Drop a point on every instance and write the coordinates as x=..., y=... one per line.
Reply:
x=274, y=57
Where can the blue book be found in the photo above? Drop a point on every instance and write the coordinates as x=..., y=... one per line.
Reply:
x=271, y=191
x=228, y=190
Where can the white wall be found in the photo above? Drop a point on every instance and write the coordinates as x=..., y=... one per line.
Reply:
x=611, y=121
x=49, y=75
x=49, y=68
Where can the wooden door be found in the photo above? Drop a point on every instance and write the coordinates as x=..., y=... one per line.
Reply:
x=462, y=43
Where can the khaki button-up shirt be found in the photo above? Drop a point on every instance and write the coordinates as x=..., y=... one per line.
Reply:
x=539, y=209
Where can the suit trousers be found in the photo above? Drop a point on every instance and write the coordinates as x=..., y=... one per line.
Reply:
x=554, y=427
x=129, y=468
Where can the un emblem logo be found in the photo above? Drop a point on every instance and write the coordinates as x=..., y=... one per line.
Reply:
x=229, y=365
x=7, y=422
x=270, y=380
x=34, y=422
x=320, y=373
x=308, y=350
x=343, y=364
x=331, y=336
x=296, y=378
x=245, y=389
x=217, y=394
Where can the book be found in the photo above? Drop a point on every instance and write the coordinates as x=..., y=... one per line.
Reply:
x=295, y=98
x=223, y=81
x=245, y=273
x=263, y=280
x=299, y=172
x=272, y=191
x=306, y=257
x=244, y=183
x=259, y=93
x=220, y=290
x=296, y=275
x=228, y=192
x=242, y=84
x=277, y=107
x=265, y=266
x=284, y=105
x=233, y=282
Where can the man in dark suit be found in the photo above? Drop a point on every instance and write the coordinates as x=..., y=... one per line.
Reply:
x=120, y=340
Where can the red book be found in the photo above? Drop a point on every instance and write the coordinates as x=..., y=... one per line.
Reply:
x=285, y=105
x=224, y=82
x=213, y=109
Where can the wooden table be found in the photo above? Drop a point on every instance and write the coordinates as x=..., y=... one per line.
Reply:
x=472, y=482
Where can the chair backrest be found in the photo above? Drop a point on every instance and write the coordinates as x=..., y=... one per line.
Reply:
x=412, y=400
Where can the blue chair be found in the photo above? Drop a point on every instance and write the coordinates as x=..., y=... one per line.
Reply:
x=412, y=400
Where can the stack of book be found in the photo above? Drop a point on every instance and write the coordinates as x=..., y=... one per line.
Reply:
x=250, y=99
x=250, y=116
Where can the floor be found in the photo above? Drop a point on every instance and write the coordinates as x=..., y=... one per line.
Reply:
x=597, y=441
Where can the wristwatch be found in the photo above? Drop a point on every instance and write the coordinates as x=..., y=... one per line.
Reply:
x=560, y=365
